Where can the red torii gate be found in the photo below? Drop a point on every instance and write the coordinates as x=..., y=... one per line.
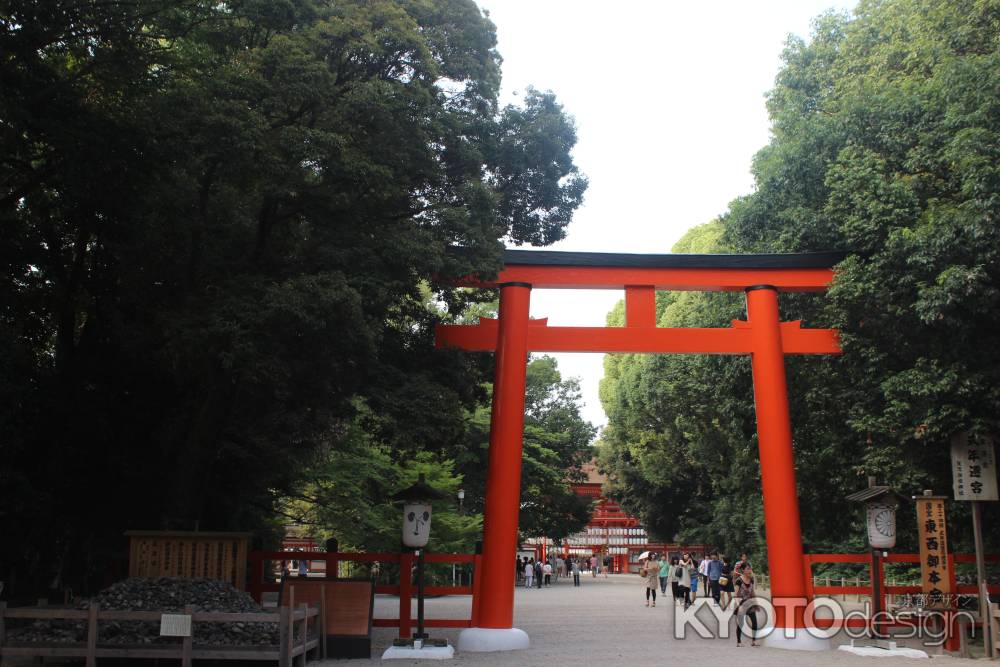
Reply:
x=762, y=335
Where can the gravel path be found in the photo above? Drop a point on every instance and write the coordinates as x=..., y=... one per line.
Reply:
x=605, y=622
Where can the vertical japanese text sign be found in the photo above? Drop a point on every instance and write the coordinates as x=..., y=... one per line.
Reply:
x=973, y=467
x=934, y=570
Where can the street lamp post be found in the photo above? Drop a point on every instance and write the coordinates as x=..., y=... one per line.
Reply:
x=417, y=512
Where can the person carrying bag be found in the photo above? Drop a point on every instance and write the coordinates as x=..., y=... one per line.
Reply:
x=747, y=610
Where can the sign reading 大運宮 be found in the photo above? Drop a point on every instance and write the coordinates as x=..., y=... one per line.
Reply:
x=973, y=467
x=935, y=575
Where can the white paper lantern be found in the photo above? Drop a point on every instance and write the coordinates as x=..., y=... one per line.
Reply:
x=416, y=524
x=881, y=525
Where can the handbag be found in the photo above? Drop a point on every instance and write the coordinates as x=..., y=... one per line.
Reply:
x=723, y=580
x=679, y=573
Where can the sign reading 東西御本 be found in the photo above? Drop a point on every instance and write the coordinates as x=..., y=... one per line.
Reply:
x=973, y=467
x=935, y=573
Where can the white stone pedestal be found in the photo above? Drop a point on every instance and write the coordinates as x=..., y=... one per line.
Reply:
x=482, y=640
x=413, y=652
x=803, y=640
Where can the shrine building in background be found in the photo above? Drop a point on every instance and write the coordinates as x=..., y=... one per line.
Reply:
x=612, y=535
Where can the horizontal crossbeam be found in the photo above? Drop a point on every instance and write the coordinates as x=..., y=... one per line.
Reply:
x=648, y=339
x=675, y=279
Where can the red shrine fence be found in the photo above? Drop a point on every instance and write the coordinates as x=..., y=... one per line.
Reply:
x=405, y=588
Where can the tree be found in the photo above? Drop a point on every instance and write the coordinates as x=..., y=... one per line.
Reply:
x=217, y=218
x=556, y=445
x=885, y=135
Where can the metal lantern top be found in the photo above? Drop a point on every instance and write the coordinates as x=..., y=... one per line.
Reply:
x=418, y=493
x=875, y=493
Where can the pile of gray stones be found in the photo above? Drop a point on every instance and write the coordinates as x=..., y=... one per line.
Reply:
x=166, y=595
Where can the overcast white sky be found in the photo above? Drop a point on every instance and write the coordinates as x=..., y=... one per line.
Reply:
x=669, y=105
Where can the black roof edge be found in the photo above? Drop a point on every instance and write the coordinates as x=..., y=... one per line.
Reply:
x=804, y=260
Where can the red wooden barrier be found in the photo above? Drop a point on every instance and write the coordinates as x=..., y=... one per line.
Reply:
x=865, y=559
x=404, y=589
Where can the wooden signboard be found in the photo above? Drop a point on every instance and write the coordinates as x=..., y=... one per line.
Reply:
x=189, y=555
x=973, y=467
x=935, y=573
x=347, y=605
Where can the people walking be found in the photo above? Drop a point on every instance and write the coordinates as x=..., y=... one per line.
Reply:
x=593, y=566
x=547, y=573
x=574, y=566
x=674, y=579
x=529, y=572
x=714, y=571
x=744, y=560
x=746, y=611
x=686, y=574
x=664, y=572
x=650, y=572
x=726, y=582
x=703, y=575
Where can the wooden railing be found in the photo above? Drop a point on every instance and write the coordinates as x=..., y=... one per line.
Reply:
x=888, y=590
x=405, y=588
x=291, y=643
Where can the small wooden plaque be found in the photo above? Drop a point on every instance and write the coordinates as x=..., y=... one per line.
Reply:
x=175, y=625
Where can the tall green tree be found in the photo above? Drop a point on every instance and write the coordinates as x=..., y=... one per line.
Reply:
x=885, y=134
x=557, y=442
x=216, y=219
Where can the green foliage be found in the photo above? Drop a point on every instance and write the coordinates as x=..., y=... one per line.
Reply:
x=346, y=491
x=556, y=445
x=886, y=134
x=217, y=219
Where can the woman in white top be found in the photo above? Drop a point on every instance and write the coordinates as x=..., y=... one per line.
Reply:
x=683, y=573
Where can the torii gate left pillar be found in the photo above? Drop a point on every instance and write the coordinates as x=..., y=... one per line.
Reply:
x=762, y=335
x=495, y=631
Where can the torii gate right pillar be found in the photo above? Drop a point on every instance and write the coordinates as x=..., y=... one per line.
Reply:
x=777, y=473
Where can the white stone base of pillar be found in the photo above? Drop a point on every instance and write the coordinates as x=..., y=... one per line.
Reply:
x=483, y=640
x=803, y=640
x=421, y=653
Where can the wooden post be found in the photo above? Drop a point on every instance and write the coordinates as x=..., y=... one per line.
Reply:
x=405, y=593
x=477, y=561
x=994, y=620
x=256, y=577
x=984, y=595
x=305, y=630
x=92, y=634
x=322, y=626
x=187, y=642
x=284, y=659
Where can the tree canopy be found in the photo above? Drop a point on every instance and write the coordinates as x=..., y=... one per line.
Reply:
x=218, y=219
x=885, y=138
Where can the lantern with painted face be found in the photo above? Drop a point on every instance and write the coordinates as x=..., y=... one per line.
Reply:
x=416, y=524
x=417, y=512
